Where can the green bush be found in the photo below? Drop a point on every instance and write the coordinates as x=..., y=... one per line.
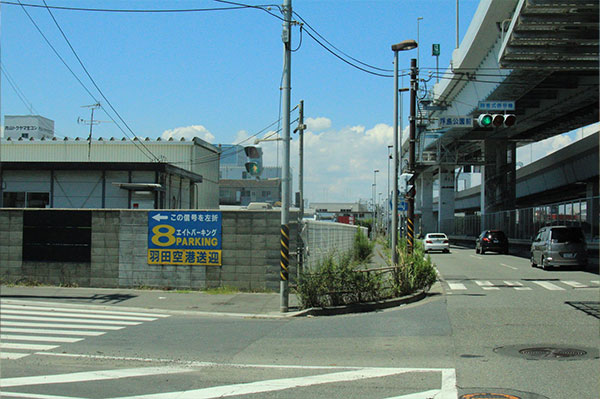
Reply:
x=414, y=272
x=362, y=250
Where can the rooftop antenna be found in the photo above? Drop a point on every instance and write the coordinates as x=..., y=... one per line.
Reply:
x=91, y=122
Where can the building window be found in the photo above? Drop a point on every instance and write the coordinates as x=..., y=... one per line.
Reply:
x=25, y=135
x=26, y=200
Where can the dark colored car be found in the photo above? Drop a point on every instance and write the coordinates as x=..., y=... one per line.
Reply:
x=491, y=240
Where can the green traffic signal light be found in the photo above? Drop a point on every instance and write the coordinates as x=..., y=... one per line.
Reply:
x=484, y=120
x=253, y=168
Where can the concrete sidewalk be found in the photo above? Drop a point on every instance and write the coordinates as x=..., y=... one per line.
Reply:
x=236, y=304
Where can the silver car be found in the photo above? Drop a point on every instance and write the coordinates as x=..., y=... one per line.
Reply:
x=556, y=246
x=436, y=242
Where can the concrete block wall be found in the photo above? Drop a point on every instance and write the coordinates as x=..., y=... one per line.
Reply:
x=325, y=238
x=250, y=254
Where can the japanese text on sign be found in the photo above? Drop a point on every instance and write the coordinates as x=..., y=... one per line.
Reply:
x=456, y=121
x=496, y=105
x=184, y=238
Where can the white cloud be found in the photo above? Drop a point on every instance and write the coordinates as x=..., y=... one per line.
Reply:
x=338, y=164
x=188, y=133
x=318, y=124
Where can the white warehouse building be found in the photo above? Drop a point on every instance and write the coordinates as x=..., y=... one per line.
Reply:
x=186, y=174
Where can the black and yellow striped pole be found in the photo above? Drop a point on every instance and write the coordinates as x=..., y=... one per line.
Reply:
x=414, y=85
x=284, y=261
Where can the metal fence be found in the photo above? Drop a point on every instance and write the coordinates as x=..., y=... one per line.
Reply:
x=326, y=238
x=524, y=223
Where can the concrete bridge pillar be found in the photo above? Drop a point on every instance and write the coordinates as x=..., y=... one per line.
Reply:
x=498, y=183
x=446, y=200
x=425, y=203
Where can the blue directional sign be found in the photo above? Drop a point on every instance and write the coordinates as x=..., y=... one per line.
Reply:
x=184, y=238
x=402, y=206
x=456, y=121
x=496, y=106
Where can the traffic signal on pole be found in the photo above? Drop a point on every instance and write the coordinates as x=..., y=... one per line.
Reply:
x=251, y=152
x=253, y=168
x=496, y=120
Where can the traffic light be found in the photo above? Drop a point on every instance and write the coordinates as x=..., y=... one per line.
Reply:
x=253, y=168
x=496, y=120
x=405, y=187
x=251, y=152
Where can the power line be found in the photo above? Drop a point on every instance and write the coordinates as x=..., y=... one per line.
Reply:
x=17, y=90
x=96, y=85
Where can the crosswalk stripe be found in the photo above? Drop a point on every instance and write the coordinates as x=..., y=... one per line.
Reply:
x=35, y=396
x=12, y=356
x=547, y=285
x=58, y=325
x=86, y=376
x=517, y=286
x=25, y=311
x=486, y=285
x=575, y=284
x=51, y=331
x=38, y=338
x=68, y=320
x=595, y=281
x=31, y=347
x=10, y=304
x=457, y=286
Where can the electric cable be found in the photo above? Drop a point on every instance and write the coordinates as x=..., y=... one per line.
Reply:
x=96, y=85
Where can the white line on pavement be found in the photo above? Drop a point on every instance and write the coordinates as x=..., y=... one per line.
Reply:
x=547, y=285
x=87, y=310
x=35, y=396
x=52, y=331
x=68, y=314
x=457, y=286
x=517, y=286
x=575, y=284
x=58, y=325
x=486, y=285
x=12, y=355
x=31, y=347
x=13, y=337
x=67, y=320
x=511, y=267
x=90, y=376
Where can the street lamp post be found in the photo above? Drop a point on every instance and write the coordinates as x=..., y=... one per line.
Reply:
x=411, y=155
x=387, y=207
x=402, y=46
x=374, y=203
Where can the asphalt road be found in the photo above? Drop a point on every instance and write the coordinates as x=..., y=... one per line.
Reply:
x=492, y=325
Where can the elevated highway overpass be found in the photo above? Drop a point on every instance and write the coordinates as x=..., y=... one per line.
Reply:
x=543, y=56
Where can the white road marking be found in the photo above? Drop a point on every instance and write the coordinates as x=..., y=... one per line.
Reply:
x=31, y=347
x=575, y=284
x=87, y=310
x=35, y=396
x=457, y=286
x=37, y=338
x=547, y=285
x=595, y=281
x=68, y=320
x=511, y=267
x=486, y=285
x=476, y=257
x=90, y=376
x=278, y=384
x=12, y=355
x=68, y=314
x=58, y=325
x=517, y=285
x=51, y=331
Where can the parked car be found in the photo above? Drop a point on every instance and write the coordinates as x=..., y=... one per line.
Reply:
x=436, y=242
x=491, y=240
x=559, y=246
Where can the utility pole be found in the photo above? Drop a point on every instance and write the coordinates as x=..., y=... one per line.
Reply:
x=286, y=37
x=414, y=86
x=300, y=243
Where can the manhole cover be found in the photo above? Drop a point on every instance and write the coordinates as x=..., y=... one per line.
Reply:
x=497, y=393
x=548, y=352
x=552, y=352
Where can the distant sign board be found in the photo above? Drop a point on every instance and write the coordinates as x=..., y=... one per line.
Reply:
x=496, y=106
x=184, y=238
x=456, y=121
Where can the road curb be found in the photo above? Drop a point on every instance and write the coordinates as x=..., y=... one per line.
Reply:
x=362, y=307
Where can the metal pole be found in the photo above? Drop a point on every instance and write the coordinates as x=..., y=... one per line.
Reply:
x=286, y=37
x=300, y=246
x=395, y=185
x=457, y=24
x=411, y=154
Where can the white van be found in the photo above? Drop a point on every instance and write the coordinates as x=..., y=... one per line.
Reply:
x=559, y=246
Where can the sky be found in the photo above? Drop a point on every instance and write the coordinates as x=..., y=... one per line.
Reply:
x=217, y=75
